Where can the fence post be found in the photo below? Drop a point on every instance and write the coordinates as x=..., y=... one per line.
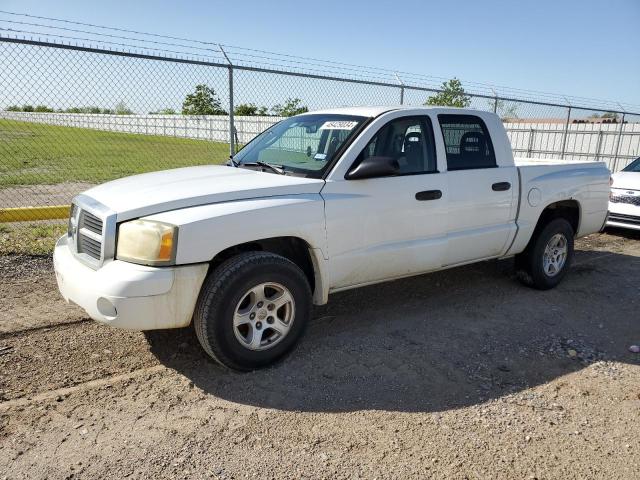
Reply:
x=495, y=105
x=615, y=157
x=530, y=144
x=401, y=88
x=566, y=134
x=232, y=127
x=599, y=144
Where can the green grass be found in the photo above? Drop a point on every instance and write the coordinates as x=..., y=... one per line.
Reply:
x=32, y=154
x=36, y=238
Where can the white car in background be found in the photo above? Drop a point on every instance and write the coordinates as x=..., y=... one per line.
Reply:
x=624, y=200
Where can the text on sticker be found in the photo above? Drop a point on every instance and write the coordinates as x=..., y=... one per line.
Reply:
x=338, y=125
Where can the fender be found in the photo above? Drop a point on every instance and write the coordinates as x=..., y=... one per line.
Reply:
x=204, y=231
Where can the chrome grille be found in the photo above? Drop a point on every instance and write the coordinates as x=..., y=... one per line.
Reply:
x=89, y=246
x=87, y=234
x=91, y=222
x=92, y=231
x=629, y=199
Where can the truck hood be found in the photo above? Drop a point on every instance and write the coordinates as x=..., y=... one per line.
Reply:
x=628, y=180
x=157, y=192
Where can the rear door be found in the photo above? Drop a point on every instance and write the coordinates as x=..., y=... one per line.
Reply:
x=482, y=190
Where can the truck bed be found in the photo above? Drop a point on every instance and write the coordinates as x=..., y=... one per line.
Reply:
x=547, y=181
x=528, y=161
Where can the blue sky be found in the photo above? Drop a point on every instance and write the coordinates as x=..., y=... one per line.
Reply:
x=582, y=48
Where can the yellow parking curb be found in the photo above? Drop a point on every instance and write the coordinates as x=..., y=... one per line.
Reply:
x=26, y=214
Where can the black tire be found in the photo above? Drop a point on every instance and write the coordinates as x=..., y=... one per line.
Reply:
x=225, y=288
x=530, y=263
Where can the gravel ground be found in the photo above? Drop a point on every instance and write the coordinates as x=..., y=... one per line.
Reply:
x=457, y=374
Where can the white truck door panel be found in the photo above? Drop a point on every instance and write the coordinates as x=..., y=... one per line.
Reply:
x=482, y=188
x=481, y=220
x=391, y=226
x=378, y=230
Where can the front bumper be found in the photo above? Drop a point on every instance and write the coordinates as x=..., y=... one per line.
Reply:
x=126, y=295
x=623, y=215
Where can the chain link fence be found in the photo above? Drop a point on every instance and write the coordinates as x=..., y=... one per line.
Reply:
x=72, y=116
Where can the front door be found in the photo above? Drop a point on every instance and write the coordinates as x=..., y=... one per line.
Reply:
x=392, y=226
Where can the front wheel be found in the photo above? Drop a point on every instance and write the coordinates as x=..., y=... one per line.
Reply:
x=547, y=258
x=252, y=310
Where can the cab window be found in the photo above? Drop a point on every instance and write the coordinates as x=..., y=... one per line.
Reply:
x=408, y=140
x=467, y=142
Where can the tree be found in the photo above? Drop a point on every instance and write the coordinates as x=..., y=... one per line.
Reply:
x=249, y=109
x=12, y=108
x=452, y=95
x=292, y=106
x=203, y=101
x=611, y=116
x=43, y=108
x=122, y=109
x=507, y=111
x=27, y=108
x=608, y=117
x=164, y=111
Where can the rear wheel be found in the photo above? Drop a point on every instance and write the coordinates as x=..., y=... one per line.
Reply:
x=252, y=310
x=548, y=256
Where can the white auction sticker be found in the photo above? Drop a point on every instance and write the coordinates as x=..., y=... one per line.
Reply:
x=338, y=125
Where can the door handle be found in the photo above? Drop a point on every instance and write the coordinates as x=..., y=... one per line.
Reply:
x=500, y=186
x=429, y=195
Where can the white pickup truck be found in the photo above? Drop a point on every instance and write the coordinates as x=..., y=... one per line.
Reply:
x=316, y=204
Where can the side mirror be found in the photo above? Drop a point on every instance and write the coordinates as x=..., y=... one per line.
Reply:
x=372, y=167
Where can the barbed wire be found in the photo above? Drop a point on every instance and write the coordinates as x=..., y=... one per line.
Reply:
x=279, y=61
x=119, y=44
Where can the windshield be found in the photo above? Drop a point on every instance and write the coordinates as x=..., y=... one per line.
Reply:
x=304, y=144
x=633, y=166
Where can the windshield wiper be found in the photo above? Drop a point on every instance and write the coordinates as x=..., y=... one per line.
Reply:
x=274, y=168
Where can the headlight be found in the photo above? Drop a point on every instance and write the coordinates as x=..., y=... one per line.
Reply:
x=147, y=242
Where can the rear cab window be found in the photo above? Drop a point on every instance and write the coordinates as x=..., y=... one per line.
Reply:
x=467, y=142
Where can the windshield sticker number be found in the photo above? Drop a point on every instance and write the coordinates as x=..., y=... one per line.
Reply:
x=338, y=125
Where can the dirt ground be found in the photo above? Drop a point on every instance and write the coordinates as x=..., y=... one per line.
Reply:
x=457, y=374
x=40, y=195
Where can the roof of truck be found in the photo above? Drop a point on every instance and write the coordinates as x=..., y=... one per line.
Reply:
x=359, y=111
x=374, y=111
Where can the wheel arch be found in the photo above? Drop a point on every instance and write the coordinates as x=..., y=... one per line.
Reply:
x=568, y=209
x=295, y=249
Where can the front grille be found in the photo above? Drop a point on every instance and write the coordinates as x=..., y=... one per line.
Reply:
x=89, y=246
x=92, y=231
x=628, y=219
x=629, y=199
x=86, y=230
x=91, y=222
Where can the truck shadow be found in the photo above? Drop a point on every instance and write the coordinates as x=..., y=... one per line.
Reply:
x=623, y=232
x=436, y=342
